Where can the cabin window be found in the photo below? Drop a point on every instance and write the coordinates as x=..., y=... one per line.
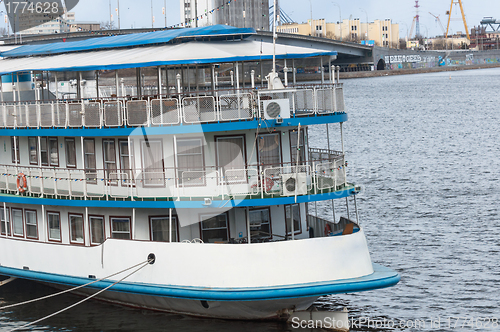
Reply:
x=160, y=229
x=260, y=223
x=5, y=214
x=17, y=222
x=293, y=147
x=109, y=157
x=269, y=150
x=76, y=228
x=292, y=212
x=120, y=228
x=152, y=163
x=231, y=158
x=189, y=152
x=31, y=224
x=96, y=224
x=44, y=155
x=126, y=161
x=33, y=150
x=214, y=228
x=54, y=152
x=70, y=152
x=54, y=222
x=14, y=143
x=89, y=160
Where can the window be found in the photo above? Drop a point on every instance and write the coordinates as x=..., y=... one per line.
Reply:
x=17, y=222
x=231, y=156
x=120, y=227
x=160, y=228
x=54, y=152
x=76, y=228
x=152, y=163
x=54, y=222
x=109, y=157
x=96, y=224
x=269, y=150
x=260, y=223
x=126, y=161
x=43, y=151
x=14, y=143
x=70, y=152
x=33, y=150
x=189, y=152
x=89, y=160
x=5, y=214
x=31, y=224
x=214, y=228
x=293, y=212
x=293, y=147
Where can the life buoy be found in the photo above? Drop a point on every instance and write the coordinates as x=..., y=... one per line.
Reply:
x=328, y=229
x=268, y=183
x=21, y=183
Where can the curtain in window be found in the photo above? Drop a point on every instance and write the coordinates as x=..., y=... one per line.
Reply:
x=89, y=162
x=70, y=153
x=152, y=163
x=120, y=228
x=31, y=224
x=17, y=222
x=76, y=228
x=54, y=226
x=190, y=162
x=96, y=230
x=293, y=147
x=160, y=229
x=269, y=150
x=109, y=154
x=54, y=154
x=214, y=229
x=32, y=145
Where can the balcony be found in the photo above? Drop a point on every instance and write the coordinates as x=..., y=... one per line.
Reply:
x=253, y=181
x=223, y=106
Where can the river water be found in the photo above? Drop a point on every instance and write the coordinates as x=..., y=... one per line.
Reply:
x=425, y=149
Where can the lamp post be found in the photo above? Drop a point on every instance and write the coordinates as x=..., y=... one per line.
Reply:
x=340, y=17
x=366, y=36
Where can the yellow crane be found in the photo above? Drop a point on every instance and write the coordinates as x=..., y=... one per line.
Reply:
x=455, y=2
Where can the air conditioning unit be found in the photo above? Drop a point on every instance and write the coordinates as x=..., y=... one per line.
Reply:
x=294, y=184
x=276, y=108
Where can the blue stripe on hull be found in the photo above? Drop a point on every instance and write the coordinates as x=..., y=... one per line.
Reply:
x=381, y=278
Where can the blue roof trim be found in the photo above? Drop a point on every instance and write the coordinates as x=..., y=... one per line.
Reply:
x=182, y=62
x=177, y=129
x=177, y=204
x=135, y=39
x=382, y=277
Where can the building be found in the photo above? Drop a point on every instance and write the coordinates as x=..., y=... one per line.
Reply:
x=85, y=26
x=383, y=33
x=242, y=14
x=59, y=25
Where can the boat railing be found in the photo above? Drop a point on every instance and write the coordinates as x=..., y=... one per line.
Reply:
x=323, y=227
x=222, y=106
x=252, y=181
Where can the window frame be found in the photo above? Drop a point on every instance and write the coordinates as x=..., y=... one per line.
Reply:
x=179, y=169
x=66, y=140
x=72, y=214
x=110, y=182
x=245, y=161
x=130, y=158
x=36, y=150
x=143, y=168
x=264, y=166
x=268, y=208
x=86, y=167
x=103, y=229
x=296, y=232
x=302, y=146
x=48, y=226
x=111, y=226
x=14, y=145
x=12, y=210
x=9, y=224
x=46, y=162
x=176, y=226
x=209, y=215
x=49, y=154
x=26, y=224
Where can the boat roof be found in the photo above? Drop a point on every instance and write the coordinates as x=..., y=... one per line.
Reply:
x=129, y=40
x=138, y=54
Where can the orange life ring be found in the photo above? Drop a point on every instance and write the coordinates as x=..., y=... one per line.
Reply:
x=328, y=229
x=21, y=186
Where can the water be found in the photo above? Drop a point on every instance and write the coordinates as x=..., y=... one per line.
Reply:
x=425, y=149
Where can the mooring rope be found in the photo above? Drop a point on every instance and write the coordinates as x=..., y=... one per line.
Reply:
x=71, y=289
x=85, y=299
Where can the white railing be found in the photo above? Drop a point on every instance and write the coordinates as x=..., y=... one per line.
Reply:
x=225, y=106
x=252, y=181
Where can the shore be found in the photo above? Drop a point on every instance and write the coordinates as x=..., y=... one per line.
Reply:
x=377, y=73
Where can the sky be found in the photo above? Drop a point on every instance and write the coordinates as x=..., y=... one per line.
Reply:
x=137, y=13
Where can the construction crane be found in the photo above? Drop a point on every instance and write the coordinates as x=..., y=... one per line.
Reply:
x=439, y=21
x=455, y=2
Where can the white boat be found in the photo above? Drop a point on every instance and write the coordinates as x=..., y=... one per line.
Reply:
x=198, y=179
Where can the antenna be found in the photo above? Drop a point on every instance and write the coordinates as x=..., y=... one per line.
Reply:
x=417, y=20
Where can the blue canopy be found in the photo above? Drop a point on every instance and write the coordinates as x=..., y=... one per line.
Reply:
x=135, y=39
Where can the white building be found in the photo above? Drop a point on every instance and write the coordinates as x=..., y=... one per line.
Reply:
x=59, y=25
